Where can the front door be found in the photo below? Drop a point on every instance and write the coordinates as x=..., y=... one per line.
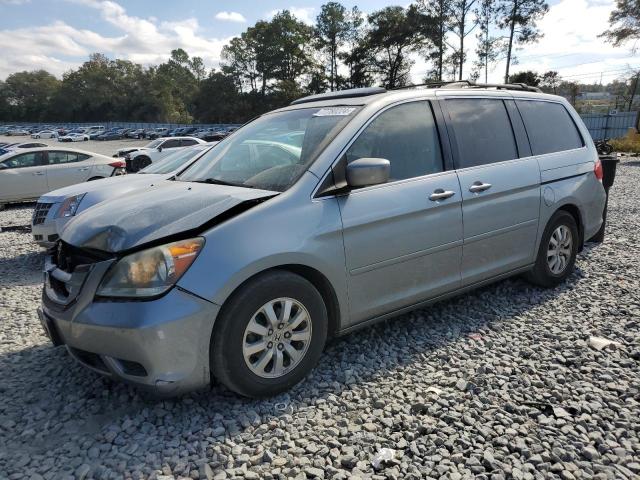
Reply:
x=500, y=184
x=403, y=239
x=22, y=177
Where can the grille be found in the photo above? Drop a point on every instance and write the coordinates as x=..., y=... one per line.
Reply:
x=67, y=257
x=40, y=213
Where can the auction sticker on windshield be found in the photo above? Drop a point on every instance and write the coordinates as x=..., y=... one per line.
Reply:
x=334, y=112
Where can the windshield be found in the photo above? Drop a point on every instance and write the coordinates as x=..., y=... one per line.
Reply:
x=272, y=152
x=173, y=161
x=154, y=144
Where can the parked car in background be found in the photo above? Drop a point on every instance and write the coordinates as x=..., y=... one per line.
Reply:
x=27, y=174
x=17, y=132
x=10, y=147
x=156, y=150
x=60, y=206
x=159, y=132
x=45, y=134
x=74, y=137
x=137, y=133
x=110, y=135
x=94, y=131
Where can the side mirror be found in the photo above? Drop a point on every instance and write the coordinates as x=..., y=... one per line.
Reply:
x=159, y=148
x=368, y=171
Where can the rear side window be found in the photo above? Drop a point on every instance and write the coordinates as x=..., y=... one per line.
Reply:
x=482, y=130
x=188, y=142
x=405, y=135
x=171, y=144
x=549, y=126
x=57, y=158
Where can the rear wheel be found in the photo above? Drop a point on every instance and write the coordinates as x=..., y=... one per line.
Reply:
x=269, y=335
x=557, y=253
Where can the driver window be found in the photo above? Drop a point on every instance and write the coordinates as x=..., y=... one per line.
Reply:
x=32, y=159
x=407, y=136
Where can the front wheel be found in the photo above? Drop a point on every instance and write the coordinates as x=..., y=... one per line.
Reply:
x=269, y=335
x=557, y=253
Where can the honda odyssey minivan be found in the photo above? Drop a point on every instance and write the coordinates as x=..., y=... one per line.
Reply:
x=240, y=268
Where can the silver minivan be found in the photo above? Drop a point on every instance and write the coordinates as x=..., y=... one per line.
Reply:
x=311, y=221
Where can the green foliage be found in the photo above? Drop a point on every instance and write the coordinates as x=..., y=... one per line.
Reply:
x=519, y=18
x=394, y=33
x=624, y=23
x=273, y=62
x=528, y=78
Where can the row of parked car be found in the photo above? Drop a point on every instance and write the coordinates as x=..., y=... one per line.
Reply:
x=99, y=132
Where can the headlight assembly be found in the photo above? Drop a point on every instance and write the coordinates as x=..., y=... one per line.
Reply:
x=150, y=272
x=70, y=206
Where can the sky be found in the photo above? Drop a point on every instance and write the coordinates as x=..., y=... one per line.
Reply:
x=58, y=35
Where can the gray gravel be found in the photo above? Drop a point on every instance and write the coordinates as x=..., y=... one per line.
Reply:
x=500, y=383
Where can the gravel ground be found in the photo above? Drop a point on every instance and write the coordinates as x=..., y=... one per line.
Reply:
x=105, y=148
x=499, y=383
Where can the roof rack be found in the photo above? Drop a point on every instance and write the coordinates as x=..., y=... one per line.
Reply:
x=350, y=93
x=470, y=84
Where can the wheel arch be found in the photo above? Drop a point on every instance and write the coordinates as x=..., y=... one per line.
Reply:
x=574, y=211
x=317, y=279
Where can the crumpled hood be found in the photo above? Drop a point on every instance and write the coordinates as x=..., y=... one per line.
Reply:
x=158, y=211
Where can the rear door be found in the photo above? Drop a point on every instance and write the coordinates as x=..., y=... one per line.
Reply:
x=403, y=239
x=500, y=183
x=23, y=176
x=67, y=168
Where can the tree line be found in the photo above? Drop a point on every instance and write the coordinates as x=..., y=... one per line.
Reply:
x=278, y=60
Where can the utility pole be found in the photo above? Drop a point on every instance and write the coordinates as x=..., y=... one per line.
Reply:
x=633, y=92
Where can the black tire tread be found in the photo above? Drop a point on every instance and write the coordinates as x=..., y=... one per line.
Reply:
x=540, y=274
x=226, y=367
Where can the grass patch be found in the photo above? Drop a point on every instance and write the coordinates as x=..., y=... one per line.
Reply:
x=626, y=144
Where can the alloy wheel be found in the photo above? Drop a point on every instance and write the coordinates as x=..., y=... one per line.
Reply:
x=559, y=249
x=277, y=338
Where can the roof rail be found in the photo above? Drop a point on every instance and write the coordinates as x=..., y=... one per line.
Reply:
x=469, y=84
x=350, y=93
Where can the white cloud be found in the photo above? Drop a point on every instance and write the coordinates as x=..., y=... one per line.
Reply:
x=231, y=17
x=304, y=14
x=59, y=47
x=570, y=45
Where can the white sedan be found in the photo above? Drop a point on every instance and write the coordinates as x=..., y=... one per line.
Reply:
x=29, y=173
x=45, y=134
x=74, y=137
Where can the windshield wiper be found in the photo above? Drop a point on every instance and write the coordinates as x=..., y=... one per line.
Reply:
x=215, y=181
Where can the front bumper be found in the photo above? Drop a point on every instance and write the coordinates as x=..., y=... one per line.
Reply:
x=161, y=345
x=47, y=234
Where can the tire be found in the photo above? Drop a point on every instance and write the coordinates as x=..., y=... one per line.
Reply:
x=231, y=334
x=547, y=273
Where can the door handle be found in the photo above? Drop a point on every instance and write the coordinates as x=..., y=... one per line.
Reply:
x=441, y=194
x=479, y=187
x=83, y=169
x=38, y=173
